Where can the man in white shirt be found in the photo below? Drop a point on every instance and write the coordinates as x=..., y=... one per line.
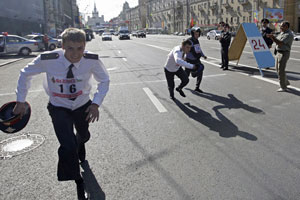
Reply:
x=68, y=73
x=173, y=67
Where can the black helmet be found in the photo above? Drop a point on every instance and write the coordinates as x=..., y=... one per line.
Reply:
x=195, y=29
x=10, y=123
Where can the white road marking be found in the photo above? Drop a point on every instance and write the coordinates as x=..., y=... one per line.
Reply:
x=220, y=49
x=113, y=68
x=119, y=84
x=257, y=77
x=119, y=51
x=13, y=93
x=274, y=82
x=155, y=101
x=124, y=59
x=159, y=81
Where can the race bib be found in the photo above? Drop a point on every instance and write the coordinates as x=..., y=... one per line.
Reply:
x=62, y=87
x=197, y=48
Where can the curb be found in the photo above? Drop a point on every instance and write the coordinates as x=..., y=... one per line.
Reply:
x=9, y=62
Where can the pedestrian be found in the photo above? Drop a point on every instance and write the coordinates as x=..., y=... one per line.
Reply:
x=225, y=40
x=194, y=56
x=173, y=67
x=283, y=47
x=266, y=30
x=45, y=41
x=68, y=73
x=221, y=25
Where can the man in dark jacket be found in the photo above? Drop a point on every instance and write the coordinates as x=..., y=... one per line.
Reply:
x=225, y=40
x=266, y=30
x=194, y=56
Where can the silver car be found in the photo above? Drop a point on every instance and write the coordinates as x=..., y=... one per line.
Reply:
x=52, y=43
x=11, y=44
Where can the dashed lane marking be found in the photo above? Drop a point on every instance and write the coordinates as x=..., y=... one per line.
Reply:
x=155, y=101
x=124, y=59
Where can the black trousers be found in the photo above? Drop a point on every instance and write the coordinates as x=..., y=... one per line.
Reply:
x=170, y=79
x=46, y=46
x=64, y=120
x=199, y=77
x=225, y=59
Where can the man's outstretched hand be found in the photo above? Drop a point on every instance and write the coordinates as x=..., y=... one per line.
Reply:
x=92, y=113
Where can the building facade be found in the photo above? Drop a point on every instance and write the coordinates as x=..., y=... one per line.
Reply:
x=95, y=22
x=292, y=14
x=21, y=17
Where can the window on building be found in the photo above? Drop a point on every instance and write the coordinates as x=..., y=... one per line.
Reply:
x=238, y=20
x=238, y=8
x=204, y=5
x=208, y=12
x=231, y=20
x=244, y=19
x=222, y=11
x=226, y=20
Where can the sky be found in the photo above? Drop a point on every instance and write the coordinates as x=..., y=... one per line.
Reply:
x=108, y=8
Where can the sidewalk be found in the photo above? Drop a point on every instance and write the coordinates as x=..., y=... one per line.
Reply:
x=8, y=59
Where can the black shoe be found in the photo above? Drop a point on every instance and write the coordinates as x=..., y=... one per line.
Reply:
x=222, y=67
x=81, y=193
x=172, y=98
x=81, y=153
x=180, y=92
x=225, y=68
x=198, y=90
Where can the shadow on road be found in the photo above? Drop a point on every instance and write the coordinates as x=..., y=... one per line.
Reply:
x=91, y=183
x=222, y=125
x=230, y=102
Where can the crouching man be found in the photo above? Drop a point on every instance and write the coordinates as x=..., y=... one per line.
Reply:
x=173, y=67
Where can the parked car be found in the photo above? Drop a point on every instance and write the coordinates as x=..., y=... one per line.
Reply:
x=59, y=43
x=106, y=36
x=176, y=33
x=116, y=33
x=214, y=34
x=181, y=34
x=141, y=34
x=296, y=36
x=52, y=44
x=11, y=44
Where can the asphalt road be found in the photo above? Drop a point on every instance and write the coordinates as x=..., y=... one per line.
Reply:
x=238, y=140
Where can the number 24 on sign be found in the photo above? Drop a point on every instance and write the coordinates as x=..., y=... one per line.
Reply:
x=258, y=44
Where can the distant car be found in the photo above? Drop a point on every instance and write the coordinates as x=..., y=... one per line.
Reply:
x=214, y=34
x=116, y=33
x=134, y=34
x=141, y=34
x=124, y=34
x=176, y=33
x=181, y=34
x=52, y=44
x=106, y=36
x=15, y=44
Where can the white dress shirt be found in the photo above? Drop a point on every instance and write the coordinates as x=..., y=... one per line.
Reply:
x=175, y=60
x=61, y=89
